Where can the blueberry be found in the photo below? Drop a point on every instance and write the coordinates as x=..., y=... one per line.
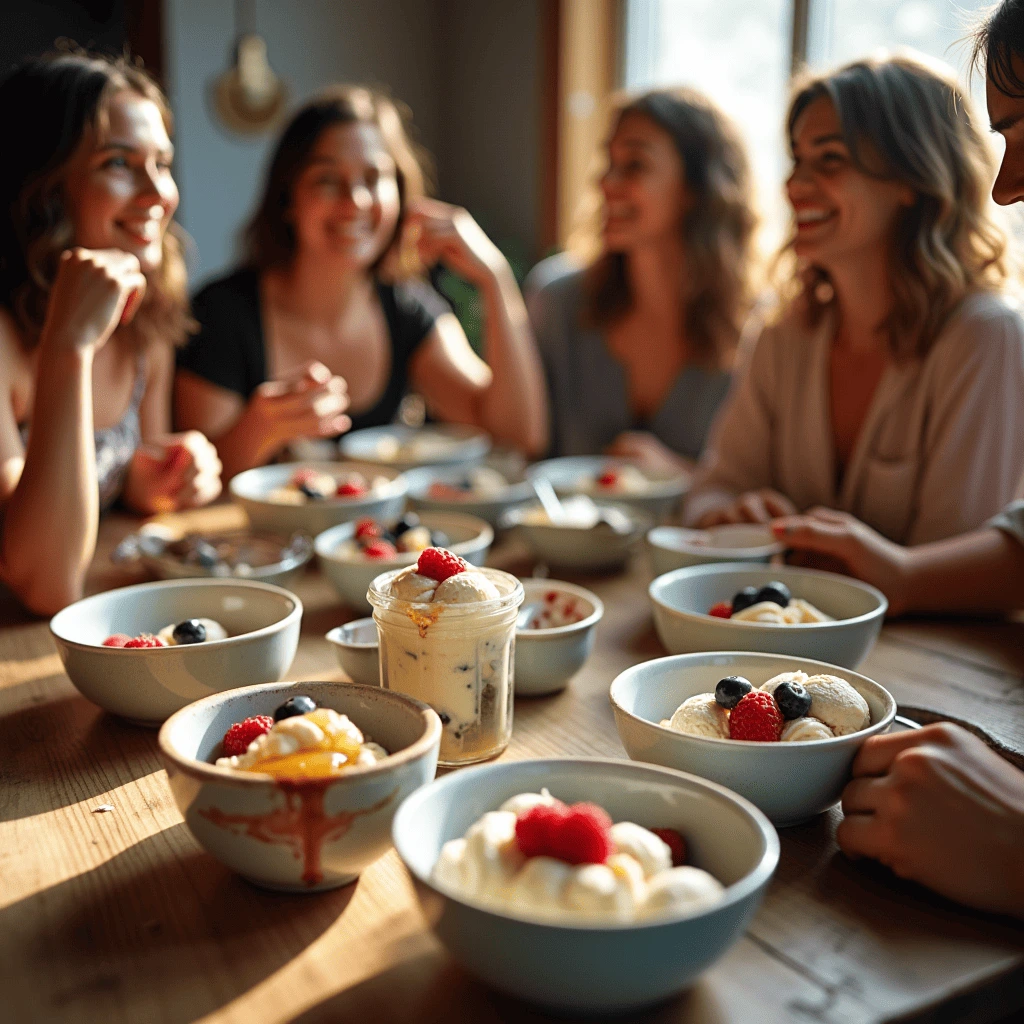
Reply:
x=439, y=539
x=294, y=706
x=744, y=599
x=191, y=631
x=793, y=700
x=389, y=536
x=310, y=492
x=776, y=592
x=730, y=689
x=408, y=522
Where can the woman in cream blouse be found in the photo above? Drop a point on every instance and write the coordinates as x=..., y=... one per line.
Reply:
x=890, y=386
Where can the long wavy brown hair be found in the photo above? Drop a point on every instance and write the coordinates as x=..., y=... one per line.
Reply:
x=269, y=238
x=908, y=121
x=716, y=231
x=49, y=106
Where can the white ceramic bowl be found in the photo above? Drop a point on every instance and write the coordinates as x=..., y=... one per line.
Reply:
x=577, y=967
x=358, y=649
x=250, y=490
x=441, y=445
x=148, y=684
x=298, y=835
x=471, y=538
x=790, y=782
x=673, y=547
x=546, y=659
x=491, y=510
x=596, y=549
x=573, y=474
x=681, y=600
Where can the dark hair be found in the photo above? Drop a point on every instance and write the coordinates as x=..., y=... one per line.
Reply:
x=716, y=230
x=908, y=121
x=47, y=106
x=999, y=39
x=269, y=239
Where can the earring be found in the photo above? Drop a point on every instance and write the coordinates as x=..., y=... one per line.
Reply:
x=824, y=292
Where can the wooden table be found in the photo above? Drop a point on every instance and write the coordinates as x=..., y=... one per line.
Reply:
x=119, y=916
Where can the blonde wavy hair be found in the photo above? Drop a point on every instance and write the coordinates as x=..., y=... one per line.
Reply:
x=717, y=230
x=908, y=121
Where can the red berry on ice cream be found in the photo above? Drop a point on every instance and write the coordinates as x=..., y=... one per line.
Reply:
x=609, y=478
x=536, y=830
x=577, y=834
x=675, y=842
x=351, y=489
x=241, y=734
x=756, y=717
x=367, y=529
x=439, y=564
x=380, y=549
x=722, y=610
x=304, y=476
x=117, y=640
x=145, y=641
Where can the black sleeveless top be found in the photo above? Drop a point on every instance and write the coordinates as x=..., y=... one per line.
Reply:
x=230, y=348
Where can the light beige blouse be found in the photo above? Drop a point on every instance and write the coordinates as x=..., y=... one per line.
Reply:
x=941, y=449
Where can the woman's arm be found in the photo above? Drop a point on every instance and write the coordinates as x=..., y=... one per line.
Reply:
x=50, y=493
x=506, y=396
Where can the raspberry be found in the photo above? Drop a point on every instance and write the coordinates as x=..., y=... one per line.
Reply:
x=117, y=640
x=367, y=528
x=241, y=734
x=577, y=834
x=304, y=476
x=351, y=489
x=675, y=842
x=380, y=549
x=536, y=829
x=439, y=564
x=609, y=478
x=756, y=717
x=146, y=640
x=722, y=610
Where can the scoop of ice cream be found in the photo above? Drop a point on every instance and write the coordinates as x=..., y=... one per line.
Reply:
x=650, y=852
x=306, y=733
x=275, y=743
x=701, y=715
x=836, y=703
x=808, y=612
x=487, y=482
x=538, y=887
x=492, y=855
x=763, y=611
x=465, y=588
x=680, y=889
x=784, y=677
x=595, y=890
x=371, y=753
x=450, y=869
x=409, y=585
x=286, y=496
x=628, y=480
x=523, y=802
x=800, y=730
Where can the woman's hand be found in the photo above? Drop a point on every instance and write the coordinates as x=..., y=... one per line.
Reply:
x=649, y=453
x=95, y=290
x=753, y=507
x=179, y=471
x=938, y=806
x=859, y=550
x=449, y=234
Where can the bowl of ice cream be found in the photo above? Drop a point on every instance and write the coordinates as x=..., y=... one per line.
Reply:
x=356, y=645
x=555, y=635
x=667, y=713
x=586, y=938
x=403, y=447
x=608, y=479
x=483, y=491
x=310, y=497
x=775, y=609
x=143, y=652
x=673, y=547
x=351, y=558
x=307, y=801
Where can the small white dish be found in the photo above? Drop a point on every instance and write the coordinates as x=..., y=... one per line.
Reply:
x=470, y=538
x=402, y=447
x=790, y=782
x=546, y=659
x=358, y=649
x=681, y=600
x=673, y=547
x=146, y=685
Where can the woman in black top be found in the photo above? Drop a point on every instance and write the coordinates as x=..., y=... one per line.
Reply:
x=325, y=328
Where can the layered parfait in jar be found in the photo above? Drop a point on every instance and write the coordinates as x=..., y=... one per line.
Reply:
x=447, y=637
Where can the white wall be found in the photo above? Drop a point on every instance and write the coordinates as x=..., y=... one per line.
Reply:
x=310, y=44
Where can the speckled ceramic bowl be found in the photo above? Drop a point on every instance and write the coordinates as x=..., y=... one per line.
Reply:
x=301, y=835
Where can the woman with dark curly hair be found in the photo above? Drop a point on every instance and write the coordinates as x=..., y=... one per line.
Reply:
x=637, y=326
x=92, y=302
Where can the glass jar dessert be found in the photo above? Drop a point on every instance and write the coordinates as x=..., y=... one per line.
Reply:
x=450, y=642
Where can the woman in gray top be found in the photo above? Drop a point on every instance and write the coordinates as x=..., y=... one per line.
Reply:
x=638, y=329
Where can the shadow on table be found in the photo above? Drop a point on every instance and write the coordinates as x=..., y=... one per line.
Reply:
x=60, y=752
x=161, y=924
x=430, y=988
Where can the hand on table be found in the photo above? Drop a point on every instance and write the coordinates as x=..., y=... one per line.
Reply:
x=643, y=448
x=937, y=806
x=753, y=507
x=308, y=402
x=449, y=234
x=180, y=471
